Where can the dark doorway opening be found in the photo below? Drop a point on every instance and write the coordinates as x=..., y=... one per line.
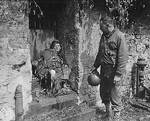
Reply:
x=54, y=20
x=44, y=14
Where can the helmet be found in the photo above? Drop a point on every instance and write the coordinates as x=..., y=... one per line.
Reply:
x=94, y=78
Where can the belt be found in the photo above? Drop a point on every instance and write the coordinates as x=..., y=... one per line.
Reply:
x=107, y=65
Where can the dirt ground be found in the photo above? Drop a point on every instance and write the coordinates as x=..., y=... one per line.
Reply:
x=129, y=113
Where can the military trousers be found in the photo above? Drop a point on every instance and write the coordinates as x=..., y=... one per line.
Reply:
x=109, y=91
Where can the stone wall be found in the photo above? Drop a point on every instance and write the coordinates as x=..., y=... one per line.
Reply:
x=39, y=39
x=89, y=38
x=139, y=46
x=15, y=60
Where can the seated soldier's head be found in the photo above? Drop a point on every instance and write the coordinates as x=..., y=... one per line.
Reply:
x=55, y=45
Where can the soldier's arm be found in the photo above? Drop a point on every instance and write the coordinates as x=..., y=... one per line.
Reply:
x=122, y=56
x=97, y=60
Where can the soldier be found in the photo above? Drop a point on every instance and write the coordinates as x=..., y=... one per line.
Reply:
x=50, y=68
x=112, y=57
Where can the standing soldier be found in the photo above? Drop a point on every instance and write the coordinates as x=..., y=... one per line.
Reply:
x=112, y=57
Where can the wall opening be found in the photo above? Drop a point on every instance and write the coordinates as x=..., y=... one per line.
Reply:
x=54, y=21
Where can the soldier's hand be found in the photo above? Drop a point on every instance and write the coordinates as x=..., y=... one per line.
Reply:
x=117, y=80
x=93, y=69
x=53, y=74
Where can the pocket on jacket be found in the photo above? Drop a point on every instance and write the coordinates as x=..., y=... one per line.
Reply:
x=112, y=45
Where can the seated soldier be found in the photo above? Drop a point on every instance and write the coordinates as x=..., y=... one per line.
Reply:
x=50, y=69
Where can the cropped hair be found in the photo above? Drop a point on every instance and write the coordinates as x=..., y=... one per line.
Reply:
x=54, y=43
x=107, y=20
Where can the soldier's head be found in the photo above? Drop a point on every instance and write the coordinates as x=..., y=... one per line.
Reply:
x=107, y=24
x=55, y=45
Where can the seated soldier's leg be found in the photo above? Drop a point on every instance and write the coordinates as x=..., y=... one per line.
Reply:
x=53, y=74
x=56, y=87
x=53, y=77
x=41, y=75
x=48, y=81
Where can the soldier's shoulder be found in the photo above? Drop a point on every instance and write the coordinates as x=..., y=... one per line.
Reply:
x=120, y=34
x=49, y=52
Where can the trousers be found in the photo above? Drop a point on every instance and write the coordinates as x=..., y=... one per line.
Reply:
x=109, y=91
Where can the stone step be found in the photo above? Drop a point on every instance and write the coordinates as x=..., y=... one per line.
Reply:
x=74, y=113
x=47, y=104
x=84, y=116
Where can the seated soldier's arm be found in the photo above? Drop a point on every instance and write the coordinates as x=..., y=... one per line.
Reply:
x=35, y=62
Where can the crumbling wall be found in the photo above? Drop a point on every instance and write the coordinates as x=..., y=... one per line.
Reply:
x=139, y=46
x=15, y=60
x=89, y=38
x=79, y=33
x=39, y=41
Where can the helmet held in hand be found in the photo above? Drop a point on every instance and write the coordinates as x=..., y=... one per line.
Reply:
x=94, y=78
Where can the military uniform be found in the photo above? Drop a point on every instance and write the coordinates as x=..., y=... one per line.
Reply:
x=51, y=61
x=112, y=57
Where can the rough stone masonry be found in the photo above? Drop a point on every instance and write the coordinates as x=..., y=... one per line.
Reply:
x=15, y=64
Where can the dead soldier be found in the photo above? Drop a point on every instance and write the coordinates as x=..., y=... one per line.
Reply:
x=112, y=58
x=50, y=69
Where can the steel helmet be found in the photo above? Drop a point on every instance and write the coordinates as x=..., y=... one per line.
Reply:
x=94, y=78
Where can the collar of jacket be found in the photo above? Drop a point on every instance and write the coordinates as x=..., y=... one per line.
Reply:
x=111, y=33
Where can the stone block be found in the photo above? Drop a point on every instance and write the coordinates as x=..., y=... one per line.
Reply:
x=14, y=50
x=47, y=104
x=6, y=112
x=72, y=113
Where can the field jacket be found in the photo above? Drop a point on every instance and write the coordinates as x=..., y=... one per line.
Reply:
x=113, y=50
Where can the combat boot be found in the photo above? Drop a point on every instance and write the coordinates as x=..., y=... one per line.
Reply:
x=116, y=116
x=108, y=114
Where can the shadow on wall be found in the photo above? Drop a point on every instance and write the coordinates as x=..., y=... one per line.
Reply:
x=39, y=41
